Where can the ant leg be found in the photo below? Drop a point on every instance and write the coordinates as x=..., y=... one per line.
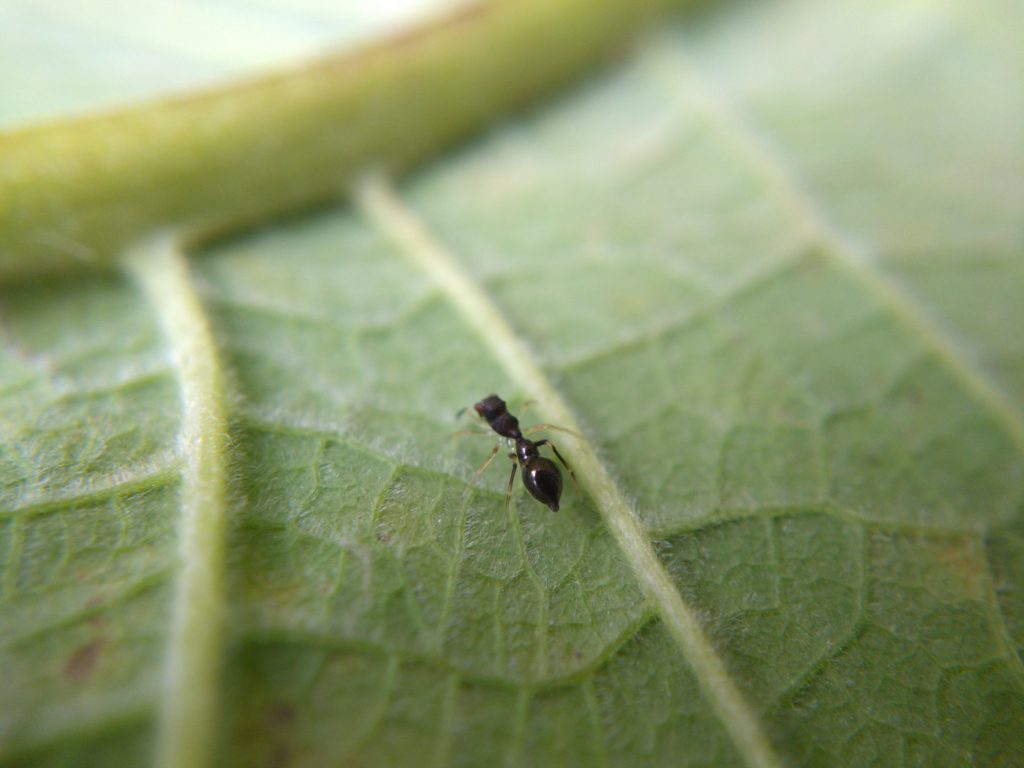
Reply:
x=476, y=475
x=465, y=432
x=508, y=493
x=462, y=412
x=471, y=430
x=486, y=464
x=554, y=427
x=561, y=458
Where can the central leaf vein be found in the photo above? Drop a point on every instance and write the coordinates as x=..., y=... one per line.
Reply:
x=382, y=207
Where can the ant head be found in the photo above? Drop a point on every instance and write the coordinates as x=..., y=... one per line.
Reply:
x=490, y=408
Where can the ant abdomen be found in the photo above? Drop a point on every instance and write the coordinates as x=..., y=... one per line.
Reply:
x=544, y=482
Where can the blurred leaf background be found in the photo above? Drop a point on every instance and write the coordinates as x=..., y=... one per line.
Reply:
x=766, y=259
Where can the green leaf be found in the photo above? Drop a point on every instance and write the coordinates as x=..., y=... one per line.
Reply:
x=767, y=266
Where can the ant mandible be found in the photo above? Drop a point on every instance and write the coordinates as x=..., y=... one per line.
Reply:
x=540, y=475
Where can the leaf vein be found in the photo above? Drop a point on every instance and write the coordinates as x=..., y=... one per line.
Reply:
x=381, y=207
x=681, y=78
x=125, y=482
x=997, y=619
x=593, y=708
x=448, y=606
x=188, y=715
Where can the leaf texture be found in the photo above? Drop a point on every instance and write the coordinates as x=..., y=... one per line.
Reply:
x=768, y=266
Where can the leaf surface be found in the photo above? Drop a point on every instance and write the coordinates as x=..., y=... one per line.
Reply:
x=768, y=266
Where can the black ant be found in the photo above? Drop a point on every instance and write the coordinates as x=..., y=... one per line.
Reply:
x=540, y=475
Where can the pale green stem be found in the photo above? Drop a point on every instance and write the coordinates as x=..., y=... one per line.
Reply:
x=76, y=193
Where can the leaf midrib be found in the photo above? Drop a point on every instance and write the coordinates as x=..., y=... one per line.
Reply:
x=414, y=240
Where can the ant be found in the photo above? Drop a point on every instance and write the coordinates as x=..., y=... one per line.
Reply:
x=540, y=475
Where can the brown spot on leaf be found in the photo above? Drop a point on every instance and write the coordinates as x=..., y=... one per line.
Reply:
x=279, y=716
x=280, y=713
x=965, y=566
x=91, y=604
x=280, y=757
x=82, y=663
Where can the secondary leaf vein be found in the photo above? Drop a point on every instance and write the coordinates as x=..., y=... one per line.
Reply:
x=768, y=162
